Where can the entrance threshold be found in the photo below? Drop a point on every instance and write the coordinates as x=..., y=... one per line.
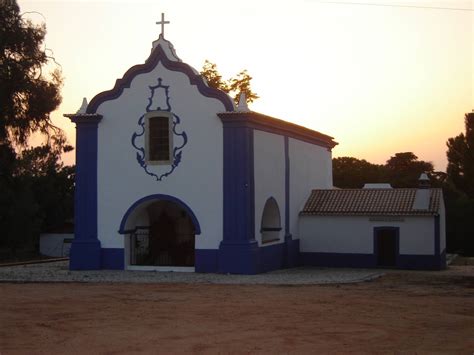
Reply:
x=161, y=268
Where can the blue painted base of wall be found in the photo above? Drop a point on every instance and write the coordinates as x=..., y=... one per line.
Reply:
x=239, y=258
x=292, y=252
x=206, y=260
x=85, y=255
x=112, y=258
x=249, y=258
x=422, y=262
x=338, y=260
x=415, y=262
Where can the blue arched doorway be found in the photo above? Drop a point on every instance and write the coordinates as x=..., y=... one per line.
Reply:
x=160, y=231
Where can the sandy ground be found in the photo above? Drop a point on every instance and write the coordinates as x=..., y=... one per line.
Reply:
x=411, y=312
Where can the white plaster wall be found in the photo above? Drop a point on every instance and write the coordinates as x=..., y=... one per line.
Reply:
x=310, y=168
x=340, y=234
x=269, y=177
x=52, y=244
x=197, y=180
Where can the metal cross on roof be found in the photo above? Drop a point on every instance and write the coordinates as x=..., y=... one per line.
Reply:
x=163, y=23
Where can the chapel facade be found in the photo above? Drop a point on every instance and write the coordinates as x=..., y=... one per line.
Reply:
x=172, y=176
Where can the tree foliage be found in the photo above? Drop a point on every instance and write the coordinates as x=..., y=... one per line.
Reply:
x=27, y=95
x=404, y=169
x=36, y=188
x=459, y=190
x=349, y=172
x=460, y=155
x=401, y=170
x=233, y=86
x=37, y=194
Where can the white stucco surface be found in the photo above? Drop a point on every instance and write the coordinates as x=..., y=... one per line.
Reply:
x=269, y=177
x=310, y=168
x=197, y=180
x=52, y=244
x=341, y=234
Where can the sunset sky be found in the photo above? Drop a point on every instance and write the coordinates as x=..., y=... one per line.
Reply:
x=380, y=79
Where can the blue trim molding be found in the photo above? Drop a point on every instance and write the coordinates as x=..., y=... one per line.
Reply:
x=338, y=259
x=287, y=187
x=269, y=124
x=85, y=248
x=177, y=150
x=158, y=55
x=160, y=197
x=437, y=235
x=404, y=261
x=292, y=252
x=441, y=256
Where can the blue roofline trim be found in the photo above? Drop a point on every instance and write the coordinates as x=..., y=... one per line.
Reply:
x=274, y=125
x=158, y=55
x=160, y=197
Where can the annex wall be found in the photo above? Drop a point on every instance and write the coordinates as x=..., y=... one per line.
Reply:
x=341, y=234
x=55, y=244
x=310, y=167
x=197, y=177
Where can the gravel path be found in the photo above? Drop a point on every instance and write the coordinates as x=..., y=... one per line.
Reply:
x=59, y=272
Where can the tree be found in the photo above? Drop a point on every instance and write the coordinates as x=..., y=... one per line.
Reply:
x=234, y=86
x=38, y=195
x=459, y=190
x=52, y=183
x=27, y=95
x=241, y=84
x=36, y=189
x=404, y=169
x=460, y=155
x=401, y=170
x=213, y=77
x=350, y=172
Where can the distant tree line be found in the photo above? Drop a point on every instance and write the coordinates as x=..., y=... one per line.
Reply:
x=404, y=169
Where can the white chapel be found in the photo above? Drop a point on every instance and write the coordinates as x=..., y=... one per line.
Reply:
x=171, y=175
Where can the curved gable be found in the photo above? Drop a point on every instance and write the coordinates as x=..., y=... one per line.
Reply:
x=158, y=55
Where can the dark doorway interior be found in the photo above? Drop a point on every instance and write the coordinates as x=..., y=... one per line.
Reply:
x=387, y=246
x=167, y=241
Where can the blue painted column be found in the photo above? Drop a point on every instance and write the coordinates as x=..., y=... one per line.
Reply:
x=238, y=251
x=291, y=252
x=440, y=256
x=85, y=249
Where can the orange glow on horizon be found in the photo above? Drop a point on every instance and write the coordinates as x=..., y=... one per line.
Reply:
x=381, y=80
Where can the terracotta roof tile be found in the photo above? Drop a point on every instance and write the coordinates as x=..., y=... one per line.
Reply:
x=392, y=202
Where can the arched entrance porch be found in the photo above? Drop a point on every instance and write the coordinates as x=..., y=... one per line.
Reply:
x=159, y=232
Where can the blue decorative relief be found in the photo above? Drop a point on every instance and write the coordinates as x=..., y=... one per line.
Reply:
x=159, y=100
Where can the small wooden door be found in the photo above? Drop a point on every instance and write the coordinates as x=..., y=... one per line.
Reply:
x=387, y=246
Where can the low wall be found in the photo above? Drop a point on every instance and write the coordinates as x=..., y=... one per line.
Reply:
x=52, y=244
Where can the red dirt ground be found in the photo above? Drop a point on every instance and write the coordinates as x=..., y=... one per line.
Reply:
x=402, y=311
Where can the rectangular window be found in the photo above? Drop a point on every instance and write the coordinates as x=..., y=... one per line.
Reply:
x=158, y=138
